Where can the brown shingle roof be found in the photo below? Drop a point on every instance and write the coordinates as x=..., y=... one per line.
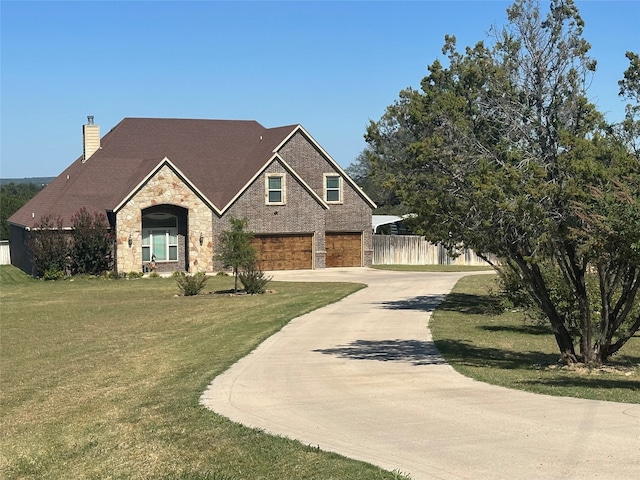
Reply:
x=218, y=157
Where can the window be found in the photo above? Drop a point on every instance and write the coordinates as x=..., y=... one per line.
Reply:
x=160, y=237
x=332, y=188
x=275, y=189
x=161, y=243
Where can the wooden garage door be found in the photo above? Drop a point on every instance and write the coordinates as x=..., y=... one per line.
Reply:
x=284, y=252
x=343, y=249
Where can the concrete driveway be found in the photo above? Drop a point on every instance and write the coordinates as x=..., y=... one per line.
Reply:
x=362, y=378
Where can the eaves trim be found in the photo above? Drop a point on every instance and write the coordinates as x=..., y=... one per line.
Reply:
x=36, y=229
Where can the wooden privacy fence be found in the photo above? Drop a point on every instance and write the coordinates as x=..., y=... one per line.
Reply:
x=5, y=255
x=415, y=250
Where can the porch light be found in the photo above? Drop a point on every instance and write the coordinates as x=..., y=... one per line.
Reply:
x=130, y=240
x=201, y=239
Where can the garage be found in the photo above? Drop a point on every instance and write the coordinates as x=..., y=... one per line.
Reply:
x=344, y=249
x=284, y=252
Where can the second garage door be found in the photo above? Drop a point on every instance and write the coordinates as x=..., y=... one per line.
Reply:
x=284, y=252
x=344, y=249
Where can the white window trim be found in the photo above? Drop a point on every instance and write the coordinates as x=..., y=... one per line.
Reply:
x=340, y=189
x=168, y=232
x=283, y=188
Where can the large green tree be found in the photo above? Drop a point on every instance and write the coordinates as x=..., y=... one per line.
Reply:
x=629, y=130
x=375, y=183
x=501, y=152
x=12, y=197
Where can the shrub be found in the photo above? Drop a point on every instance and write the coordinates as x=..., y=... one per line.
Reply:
x=190, y=285
x=53, y=274
x=50, y=246
x=154, y=275
x=92, y=243
x=134, y=275
x=254, y=281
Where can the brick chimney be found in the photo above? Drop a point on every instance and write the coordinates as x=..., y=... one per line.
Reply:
x=90, y=138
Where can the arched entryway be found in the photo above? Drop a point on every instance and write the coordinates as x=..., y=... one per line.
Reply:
x=164, y=233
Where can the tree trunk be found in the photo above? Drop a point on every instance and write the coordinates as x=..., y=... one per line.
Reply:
x=565, y=344
x=235, y=279
x=538, y=290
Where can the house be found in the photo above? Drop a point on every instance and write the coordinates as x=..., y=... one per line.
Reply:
x=169, y=186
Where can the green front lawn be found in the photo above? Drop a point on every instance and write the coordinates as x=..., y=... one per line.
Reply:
x=505, y=349
x=102, y=379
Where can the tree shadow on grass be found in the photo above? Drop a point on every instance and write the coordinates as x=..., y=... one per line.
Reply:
x=472, y=304
x=587, y=382
x=523, y=329
x=410, y=351
x=464, y=353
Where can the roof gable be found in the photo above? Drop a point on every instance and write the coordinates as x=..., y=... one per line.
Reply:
x=300, y=129
x=166, y=163
x=289, y=170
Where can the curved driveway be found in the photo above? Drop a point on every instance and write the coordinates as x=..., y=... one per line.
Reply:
x=362, y=378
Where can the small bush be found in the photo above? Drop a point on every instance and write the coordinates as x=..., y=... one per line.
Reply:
x=190, y=285
x=154, y=275
x=134, y=275
x=53, y=274
x=254, y=281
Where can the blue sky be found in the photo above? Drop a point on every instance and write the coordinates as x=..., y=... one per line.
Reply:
x=330, y=66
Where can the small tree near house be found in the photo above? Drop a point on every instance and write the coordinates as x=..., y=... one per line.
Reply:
x=92, y=243
x=50, y=248
x=236, y=250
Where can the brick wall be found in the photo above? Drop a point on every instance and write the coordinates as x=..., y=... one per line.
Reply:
x=301, y=213
x=353, y=215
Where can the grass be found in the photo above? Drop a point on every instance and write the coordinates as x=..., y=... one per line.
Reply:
x=433, y=268
x=102, y=379
x=506, y=349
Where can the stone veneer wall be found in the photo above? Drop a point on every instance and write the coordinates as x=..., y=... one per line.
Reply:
x=353, y=215
x=165, y=187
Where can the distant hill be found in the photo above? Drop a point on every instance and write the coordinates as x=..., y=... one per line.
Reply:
x=37, y=180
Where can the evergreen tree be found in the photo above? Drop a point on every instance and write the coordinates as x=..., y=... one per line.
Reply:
x=501, y=152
